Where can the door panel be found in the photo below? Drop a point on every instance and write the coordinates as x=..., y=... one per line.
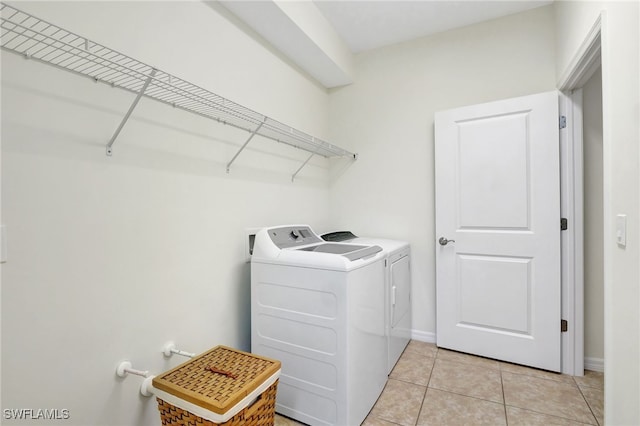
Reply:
x=498, y=200
x=494, y=189
x=483, y=277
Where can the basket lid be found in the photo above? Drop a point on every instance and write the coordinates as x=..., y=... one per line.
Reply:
x=217, y=379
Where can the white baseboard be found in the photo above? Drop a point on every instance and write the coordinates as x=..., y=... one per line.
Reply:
x=423, y=336
x=594, y=364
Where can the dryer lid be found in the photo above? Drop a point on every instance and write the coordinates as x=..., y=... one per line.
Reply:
x=338, y=236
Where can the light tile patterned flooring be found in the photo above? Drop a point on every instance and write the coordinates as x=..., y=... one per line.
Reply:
x=431, y=386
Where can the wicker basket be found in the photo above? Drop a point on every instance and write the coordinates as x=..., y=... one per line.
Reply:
x=223, y=386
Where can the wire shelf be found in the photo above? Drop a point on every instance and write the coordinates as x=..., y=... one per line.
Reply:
x=42, y=41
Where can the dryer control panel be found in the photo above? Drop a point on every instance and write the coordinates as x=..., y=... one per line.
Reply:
x=293, y=236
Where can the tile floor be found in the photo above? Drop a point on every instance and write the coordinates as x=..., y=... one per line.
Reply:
x=431, y=386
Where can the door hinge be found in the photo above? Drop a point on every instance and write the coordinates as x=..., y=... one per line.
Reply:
x=564, y=326
x=564, y=224
x=563, y=121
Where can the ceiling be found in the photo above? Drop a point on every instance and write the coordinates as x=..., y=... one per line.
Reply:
x=322, y=36
x=366, y=25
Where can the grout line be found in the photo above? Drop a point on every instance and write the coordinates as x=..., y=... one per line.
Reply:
x=424, y=398
x=504, y=398
x=587, y=402
x=590, y=387
x=389, y=421
x=471, y=364
x=433, y=367
x=553, y=415
x=407, y=381
x=426, y=388
x=466, y=396
x=517, y=373
x=586, y=385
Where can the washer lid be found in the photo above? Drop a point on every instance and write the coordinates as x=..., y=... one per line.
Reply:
x=350, y=251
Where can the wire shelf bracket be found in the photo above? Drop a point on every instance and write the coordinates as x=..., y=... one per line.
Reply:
x=42, y=41
x=244, y=146
x=293, y=177
x=131, y=108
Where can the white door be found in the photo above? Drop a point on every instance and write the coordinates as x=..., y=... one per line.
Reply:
x=498, y=200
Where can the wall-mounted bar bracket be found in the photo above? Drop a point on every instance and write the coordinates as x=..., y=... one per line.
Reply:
x=131, y=108
x=170, y=348
x=253, y=133
x=124, y=368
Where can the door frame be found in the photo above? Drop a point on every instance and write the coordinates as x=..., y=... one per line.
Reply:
x=583, y=66
x=572, y=240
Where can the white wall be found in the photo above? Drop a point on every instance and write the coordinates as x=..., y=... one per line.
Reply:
x=387, y=117
x=593, y=221
x=110, y=257
x=621, y=193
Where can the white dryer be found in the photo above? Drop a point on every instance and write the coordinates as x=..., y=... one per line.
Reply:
x=319, y=308
x=397, y=289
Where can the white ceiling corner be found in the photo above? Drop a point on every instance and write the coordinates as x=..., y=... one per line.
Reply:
x=366, y=25
x=302, y=33
x=321, y=36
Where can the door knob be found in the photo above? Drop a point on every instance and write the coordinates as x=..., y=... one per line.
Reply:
x=443, y=241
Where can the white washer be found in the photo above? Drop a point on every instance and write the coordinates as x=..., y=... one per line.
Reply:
x=398, y=289
x=319, y=308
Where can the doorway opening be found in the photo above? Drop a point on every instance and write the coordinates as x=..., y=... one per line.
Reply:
x=582, y=187
x=593, y=224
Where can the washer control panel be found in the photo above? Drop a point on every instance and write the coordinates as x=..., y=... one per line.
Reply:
x=293, y=236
